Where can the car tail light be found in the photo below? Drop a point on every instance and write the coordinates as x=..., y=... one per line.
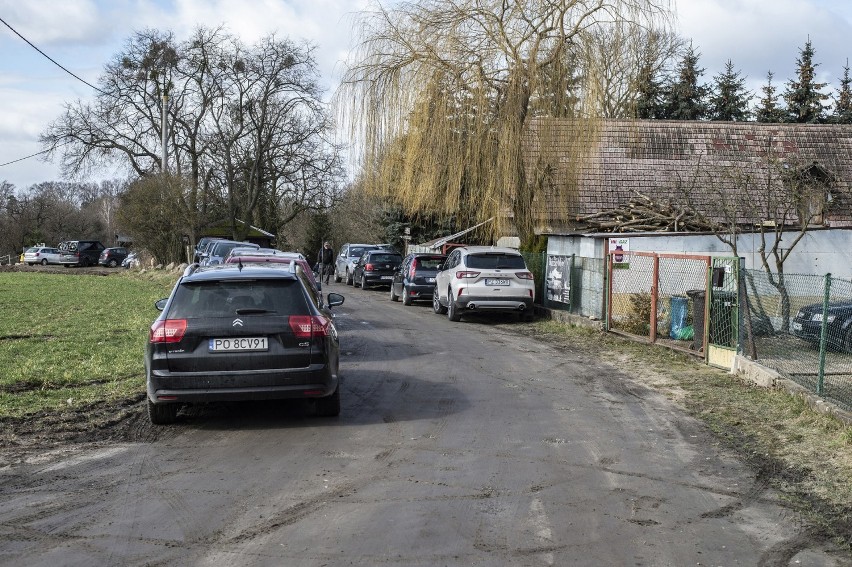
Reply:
x=306, y=326
x=411, y=271
x=467, y=275
x=524, y=275
x=368, y=268
x=167, y=331
x=37, y=254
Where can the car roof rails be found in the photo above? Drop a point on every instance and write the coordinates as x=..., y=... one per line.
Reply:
x=190, y=269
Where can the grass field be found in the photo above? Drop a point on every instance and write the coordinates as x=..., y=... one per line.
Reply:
x=73, y=339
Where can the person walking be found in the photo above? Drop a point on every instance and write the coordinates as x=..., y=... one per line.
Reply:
x=325, y=260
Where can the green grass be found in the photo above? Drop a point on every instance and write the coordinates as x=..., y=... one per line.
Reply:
x=74, y=337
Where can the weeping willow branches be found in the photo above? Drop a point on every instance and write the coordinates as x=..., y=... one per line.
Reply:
x=439, y=93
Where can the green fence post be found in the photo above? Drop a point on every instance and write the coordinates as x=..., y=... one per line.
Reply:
x=572, y=289
x=822, y=332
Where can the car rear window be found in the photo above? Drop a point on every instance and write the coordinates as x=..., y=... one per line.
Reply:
x=224, y=298
x=430, y=263
x=358, y=251
x=494, y=261
x=386, y=258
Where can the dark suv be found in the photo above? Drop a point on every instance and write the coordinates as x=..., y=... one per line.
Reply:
x=80, y=252
x=415, y=278
x=242, y=332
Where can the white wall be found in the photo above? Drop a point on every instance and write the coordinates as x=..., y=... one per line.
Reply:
x=818, y=253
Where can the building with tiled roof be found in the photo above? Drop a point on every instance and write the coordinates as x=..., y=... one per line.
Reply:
x=679, y=161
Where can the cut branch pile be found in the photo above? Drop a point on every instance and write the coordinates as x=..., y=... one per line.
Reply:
x=643, y=214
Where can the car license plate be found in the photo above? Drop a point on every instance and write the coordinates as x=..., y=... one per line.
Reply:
x=387, y=277
x=496, y=281
x=238, y=344
x=797, y=326
x=430, y=280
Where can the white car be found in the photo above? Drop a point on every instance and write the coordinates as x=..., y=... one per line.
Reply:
x=43, y=255
x=484, y=278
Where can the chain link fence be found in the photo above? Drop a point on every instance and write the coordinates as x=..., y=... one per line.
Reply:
x=801, y=326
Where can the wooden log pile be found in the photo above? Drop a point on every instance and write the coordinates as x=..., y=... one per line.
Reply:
x=643, y=214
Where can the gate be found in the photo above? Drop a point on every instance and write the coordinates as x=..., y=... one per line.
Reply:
x=663, y=298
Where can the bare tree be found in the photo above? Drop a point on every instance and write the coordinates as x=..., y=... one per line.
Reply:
x=779, y=199
x=246, y=124
x=456, y=81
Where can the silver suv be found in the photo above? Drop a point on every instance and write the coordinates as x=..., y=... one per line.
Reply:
x=484, y=278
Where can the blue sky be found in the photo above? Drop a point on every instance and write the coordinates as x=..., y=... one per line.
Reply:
x=756, y=35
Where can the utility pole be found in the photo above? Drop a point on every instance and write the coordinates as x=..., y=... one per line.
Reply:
x=164, y=127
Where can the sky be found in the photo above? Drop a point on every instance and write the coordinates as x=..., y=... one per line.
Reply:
x=757, y=36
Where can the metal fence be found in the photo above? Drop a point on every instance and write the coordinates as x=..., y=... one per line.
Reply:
x=660, y=297
x=801, y=326
x=574, y=284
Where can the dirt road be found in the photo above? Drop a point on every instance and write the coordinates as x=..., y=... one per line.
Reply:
x=465, y=443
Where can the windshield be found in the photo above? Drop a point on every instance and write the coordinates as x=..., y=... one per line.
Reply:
x=496, y=262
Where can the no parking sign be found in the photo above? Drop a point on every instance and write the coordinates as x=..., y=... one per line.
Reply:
x=617, y=247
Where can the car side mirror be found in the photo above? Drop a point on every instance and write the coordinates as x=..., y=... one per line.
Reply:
x=335, y=299
x=161, y=304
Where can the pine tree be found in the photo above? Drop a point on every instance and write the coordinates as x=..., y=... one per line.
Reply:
x=843, y=101
x=768, y=109
x=650, y=92
x=686, y=99
x=803, y=96
x=728, y=98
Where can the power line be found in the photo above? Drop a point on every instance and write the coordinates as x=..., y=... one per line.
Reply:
x=51, y=59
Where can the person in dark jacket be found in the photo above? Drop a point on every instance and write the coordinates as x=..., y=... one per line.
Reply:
x=325, y=261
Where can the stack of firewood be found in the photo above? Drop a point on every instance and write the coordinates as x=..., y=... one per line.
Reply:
x=643, y=214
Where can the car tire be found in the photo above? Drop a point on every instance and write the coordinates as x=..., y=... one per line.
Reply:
x=393, y=295
x=30, y=264
x=846, y=345
x=337, y=277
x=112, y=263
x=436, y=304
x=452, y=311
x=406, y=299
x=162, y=414
x=349, y=278
x=364, y=281
x=44, y=262
x=329, y=406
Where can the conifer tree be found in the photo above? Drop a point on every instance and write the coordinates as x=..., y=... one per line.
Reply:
x=768, y=109
x=650, y=89
x=843, y=101
x=803, y=94
x=729, y=99
x=685, y=98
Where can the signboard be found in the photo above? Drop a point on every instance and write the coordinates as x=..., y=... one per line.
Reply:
x=616, y=247
x=557, y=282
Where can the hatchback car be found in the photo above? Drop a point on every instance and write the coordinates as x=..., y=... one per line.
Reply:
x=807, y=324
x=112, y=257
x=80, y=252
x=415, y=278
x=484, y=278
x=344, y=264
x=43, y=255
x=375, y=267
x=231, y=334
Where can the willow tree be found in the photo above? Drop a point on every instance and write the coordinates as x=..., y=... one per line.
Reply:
x=451, y=86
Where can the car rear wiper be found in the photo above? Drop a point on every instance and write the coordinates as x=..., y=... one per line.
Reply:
x=253, y=311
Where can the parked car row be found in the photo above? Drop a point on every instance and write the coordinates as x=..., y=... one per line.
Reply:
x=75, y=253
x=471, y=279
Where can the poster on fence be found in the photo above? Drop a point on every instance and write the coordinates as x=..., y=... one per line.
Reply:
x=617, y=248
x=558, y=281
